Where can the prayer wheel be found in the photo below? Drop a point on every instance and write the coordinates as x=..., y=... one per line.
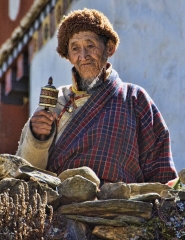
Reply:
x=48, y=95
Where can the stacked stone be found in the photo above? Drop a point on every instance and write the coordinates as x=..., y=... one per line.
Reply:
x=120, y=211
x=84, y=210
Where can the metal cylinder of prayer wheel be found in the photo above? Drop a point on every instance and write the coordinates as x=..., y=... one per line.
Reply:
x=48, y=95
x=48, y=98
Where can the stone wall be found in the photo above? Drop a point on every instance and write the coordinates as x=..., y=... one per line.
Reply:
x=77, y=207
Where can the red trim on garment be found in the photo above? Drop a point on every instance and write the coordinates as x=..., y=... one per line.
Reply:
x=68, y=104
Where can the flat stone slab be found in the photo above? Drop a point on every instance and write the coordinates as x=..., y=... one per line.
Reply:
x=98, y=220
x=121, y=233
x=101, y=207
x=148, y=197
x=143, y=188
x=131, y=219
x=117, y=221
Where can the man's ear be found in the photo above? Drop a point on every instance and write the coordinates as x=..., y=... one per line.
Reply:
x=111, y=48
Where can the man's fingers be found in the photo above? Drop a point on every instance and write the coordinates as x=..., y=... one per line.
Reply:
x=42, y=125
x=43, y=116
x=39, y=130
x=41, y=122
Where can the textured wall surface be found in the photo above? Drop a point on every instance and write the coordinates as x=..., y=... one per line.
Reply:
x=151, y=54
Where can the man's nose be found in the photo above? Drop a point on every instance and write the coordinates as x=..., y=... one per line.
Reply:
x=83, y=54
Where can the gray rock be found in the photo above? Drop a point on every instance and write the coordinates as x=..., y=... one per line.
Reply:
x=85, y=172
x=75, y=230
x=118, y=190
x=77, y=189
x=182, y=175
x=9, y=165
x=181, y=195
x=148, y=197
x=168, y=194
x=143, y=188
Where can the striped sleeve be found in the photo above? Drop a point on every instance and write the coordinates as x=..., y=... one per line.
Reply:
x=155, y=154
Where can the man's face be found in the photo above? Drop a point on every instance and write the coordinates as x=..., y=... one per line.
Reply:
x=87, y=52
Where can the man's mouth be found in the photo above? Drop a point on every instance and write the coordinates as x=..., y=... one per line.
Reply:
x=85, y=64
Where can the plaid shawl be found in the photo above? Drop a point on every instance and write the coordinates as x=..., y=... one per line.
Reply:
x=120, y=134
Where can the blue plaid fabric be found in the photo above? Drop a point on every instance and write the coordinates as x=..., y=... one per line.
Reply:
x=120, y=134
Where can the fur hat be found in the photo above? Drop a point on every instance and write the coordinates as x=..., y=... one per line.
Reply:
x=84, y=20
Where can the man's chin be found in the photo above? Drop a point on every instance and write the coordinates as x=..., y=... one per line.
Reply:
x=89, y=78
x=88, y=73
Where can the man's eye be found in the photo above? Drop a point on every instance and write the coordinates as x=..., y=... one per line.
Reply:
x=74, y=49
x=90, y=46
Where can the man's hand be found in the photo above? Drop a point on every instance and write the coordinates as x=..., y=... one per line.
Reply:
x=41, y=123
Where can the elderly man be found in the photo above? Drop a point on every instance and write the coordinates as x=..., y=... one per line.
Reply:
x=111, y=126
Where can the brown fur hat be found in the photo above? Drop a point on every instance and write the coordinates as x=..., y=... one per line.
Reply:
x=84, y=20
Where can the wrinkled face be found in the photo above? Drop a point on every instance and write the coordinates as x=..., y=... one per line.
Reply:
x=87, y=52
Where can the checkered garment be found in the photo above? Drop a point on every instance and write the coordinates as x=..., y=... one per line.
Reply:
x=120, y=134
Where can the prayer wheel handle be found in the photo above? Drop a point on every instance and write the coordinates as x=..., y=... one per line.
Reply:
x=48, y=98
